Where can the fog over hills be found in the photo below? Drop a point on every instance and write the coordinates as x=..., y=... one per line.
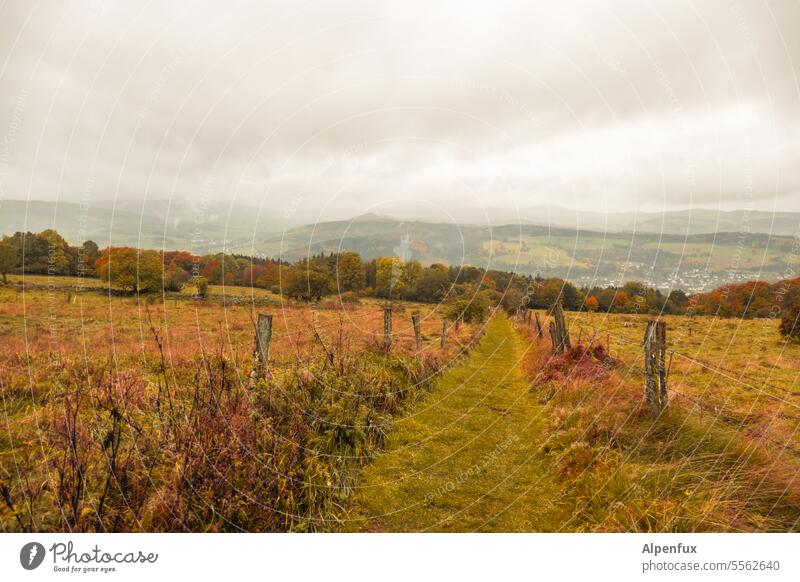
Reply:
x=689, y=221
x=177, y=224
x=177, y=221
x=588, y=257
x=696, y=250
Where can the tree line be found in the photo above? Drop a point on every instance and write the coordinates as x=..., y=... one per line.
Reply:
x=46, y=253
x=467, y=290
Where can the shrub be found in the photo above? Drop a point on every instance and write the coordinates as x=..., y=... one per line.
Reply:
x=174, y=280
x=201, y=285
x=468, y=305
x=790, y=316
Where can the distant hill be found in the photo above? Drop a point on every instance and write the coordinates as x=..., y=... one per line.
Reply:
x=150, y=224
x=694, y=221
x=703, y=221
x=695, y=262
x=607, y=248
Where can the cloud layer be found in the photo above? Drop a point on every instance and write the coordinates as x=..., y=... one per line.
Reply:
x=335, y=108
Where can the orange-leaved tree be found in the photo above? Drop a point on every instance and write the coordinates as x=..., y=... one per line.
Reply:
x=130, y=269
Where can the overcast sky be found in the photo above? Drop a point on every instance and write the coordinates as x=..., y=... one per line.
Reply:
x=348, y=107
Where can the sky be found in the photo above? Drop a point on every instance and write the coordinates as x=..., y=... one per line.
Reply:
x=336, y=108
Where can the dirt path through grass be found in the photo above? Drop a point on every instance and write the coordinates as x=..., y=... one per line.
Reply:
x=467, y=457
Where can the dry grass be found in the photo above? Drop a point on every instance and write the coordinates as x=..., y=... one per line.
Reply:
x=519, y=440
x=739, y=373
x=127, y=414
x=723, y=458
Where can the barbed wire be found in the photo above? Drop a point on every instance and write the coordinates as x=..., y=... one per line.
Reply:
x=716, y=368
x=704, y=406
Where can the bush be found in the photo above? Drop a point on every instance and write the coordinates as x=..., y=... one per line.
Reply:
x=307, y=283
x=174, y=280
x=201, y=285
x=468, y=306
x=790, y=317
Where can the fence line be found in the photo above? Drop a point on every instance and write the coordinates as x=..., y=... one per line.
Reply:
x=716, y=369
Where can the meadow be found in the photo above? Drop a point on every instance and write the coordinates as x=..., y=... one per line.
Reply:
x=125, y=413
x=739, y=372
x=523, y=440
x=139, y=413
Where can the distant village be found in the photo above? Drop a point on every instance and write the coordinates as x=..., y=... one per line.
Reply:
x=691, y=280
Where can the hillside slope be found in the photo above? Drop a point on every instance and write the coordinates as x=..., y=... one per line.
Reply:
x=694, y=263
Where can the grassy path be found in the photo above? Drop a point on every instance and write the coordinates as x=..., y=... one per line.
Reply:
x=481, y=453
x=467, y=457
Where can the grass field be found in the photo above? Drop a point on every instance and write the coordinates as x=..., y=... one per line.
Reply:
x=735, y=371
x=91, y=283
x=124, y=413
x=517, y=440
x=467, y=457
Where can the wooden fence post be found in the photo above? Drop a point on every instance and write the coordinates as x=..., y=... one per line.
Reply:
x=661, y=333
x=539, y=329
x=261, y=348
x=444, y=333
x=387, y=327
x=561, y=330
x=554, y=337
x=417, y=331
x=655, y=370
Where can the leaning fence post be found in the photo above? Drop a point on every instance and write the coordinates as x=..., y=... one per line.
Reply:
x=554, y=337
x=539, y=330
x=417, y=331
x=387, y=327
x=655, y=372
x=562, y=333
x=261, y=348
x=444, y=333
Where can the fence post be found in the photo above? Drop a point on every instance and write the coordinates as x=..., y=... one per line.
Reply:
x=562, y=333
x=661, y=333
x=387, y=327
x=261, y=348
x=539, y=330
x=655, y=371
x=554, y=337
x=444, y=333
x=417, y=331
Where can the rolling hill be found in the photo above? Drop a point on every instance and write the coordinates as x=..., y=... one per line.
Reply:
x=693, y=262
x=608, y=248
x=176, y=224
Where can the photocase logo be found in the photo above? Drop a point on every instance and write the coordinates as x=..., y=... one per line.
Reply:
x=31, y=555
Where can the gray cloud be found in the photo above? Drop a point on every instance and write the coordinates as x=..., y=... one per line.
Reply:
x=350, y=106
